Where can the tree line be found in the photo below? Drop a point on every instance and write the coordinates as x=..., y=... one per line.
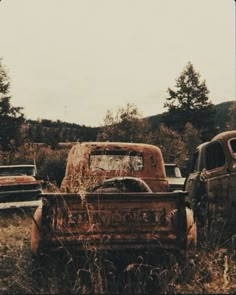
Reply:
x=189, y=120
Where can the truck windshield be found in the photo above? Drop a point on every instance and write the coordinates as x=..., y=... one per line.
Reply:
x=112, y=160
x=172, y=171
x=13, y=171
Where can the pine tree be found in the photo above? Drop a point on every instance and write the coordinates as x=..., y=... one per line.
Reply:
x=190, y=103
x=11, y=118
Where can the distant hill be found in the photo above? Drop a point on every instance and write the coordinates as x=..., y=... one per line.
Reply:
x=222, y=115
x=221, y=109
x=54, y=132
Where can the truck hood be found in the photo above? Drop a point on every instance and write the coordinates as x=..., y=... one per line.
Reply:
x=16, y=179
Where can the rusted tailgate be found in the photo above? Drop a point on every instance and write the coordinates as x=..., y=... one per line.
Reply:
x=115, y=221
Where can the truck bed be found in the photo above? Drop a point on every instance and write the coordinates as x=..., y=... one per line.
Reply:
x=114, y=221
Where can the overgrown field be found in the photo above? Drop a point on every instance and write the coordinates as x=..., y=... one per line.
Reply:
x=203, y=271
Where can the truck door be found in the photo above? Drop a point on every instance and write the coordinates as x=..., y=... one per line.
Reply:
x=231, y=145
x=192, y=179
x=217, y=182
x=195, y=187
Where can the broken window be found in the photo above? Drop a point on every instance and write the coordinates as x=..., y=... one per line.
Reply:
x=232, y=145
x=113, y=160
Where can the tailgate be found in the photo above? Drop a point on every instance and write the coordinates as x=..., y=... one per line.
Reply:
x=115, y=221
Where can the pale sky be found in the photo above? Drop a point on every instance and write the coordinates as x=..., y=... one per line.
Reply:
x=73, y=60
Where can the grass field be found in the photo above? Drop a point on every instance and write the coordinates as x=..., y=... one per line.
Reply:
x=203, y=271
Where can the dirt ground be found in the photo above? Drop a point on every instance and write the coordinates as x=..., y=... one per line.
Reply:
x=203, y=272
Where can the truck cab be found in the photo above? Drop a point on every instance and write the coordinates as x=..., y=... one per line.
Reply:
x=211, y=184
x=91, y=163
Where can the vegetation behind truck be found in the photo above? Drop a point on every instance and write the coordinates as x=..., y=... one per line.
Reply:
x=114, y=196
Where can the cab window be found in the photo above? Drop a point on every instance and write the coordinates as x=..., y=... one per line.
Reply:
x=215, y=156
x=116, y=161
x=232, y=145
x=194, y=162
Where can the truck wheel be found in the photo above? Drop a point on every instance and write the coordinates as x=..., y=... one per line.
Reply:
x=191, y=229
x=35, y=232
x=216, y=231
x=191, y=226
x=203, y=226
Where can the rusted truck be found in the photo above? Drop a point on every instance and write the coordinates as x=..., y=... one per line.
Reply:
x=18, y=182
x=114, y=196
x=211, y=186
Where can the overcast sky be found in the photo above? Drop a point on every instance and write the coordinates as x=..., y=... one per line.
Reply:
x=73, y=60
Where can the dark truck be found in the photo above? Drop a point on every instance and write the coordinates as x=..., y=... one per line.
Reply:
x=211, y=186
x=18, y=183
x=114, y=196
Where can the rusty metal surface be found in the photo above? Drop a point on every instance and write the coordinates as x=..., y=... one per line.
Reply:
x=9, y=206
x=18, y=183
x=78, y=168
x=224, y=136
x=115, y=221
x=213, y=190
x=125, y=220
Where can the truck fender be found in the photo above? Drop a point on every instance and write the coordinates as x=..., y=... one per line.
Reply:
x=36, y=232
x=191, y=234
x=191, y=229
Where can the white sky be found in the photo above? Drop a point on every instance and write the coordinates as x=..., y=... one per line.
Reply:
x=73, y=60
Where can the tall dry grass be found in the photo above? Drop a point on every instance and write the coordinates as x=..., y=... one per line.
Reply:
x=204, y=271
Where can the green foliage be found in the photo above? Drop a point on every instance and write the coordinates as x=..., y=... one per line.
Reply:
x=190, y=94
x=126, y=125
x=54, y=132
x=191, y=138
x=11, y=118
x=231, y=122
x=51, y=164
x=189, y=103
x=171, y=144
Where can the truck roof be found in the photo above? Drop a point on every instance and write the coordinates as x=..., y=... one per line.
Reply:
x=16, y=166
x=116, y=144
x=224, y=135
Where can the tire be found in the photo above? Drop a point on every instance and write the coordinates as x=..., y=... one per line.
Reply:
x=35, y=233
x=191, y=229
x=190, y=224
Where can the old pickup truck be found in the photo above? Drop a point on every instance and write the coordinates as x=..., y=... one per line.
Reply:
x=211, y=185
x=114, y=196
x=18, y=182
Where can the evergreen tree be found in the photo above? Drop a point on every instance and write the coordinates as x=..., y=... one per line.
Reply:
x=11, y=118
x=191, y=138
x=190, y=103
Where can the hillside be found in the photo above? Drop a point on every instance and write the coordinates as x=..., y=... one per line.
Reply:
x=222, y=111
x=53, y=132
x=221, y=118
